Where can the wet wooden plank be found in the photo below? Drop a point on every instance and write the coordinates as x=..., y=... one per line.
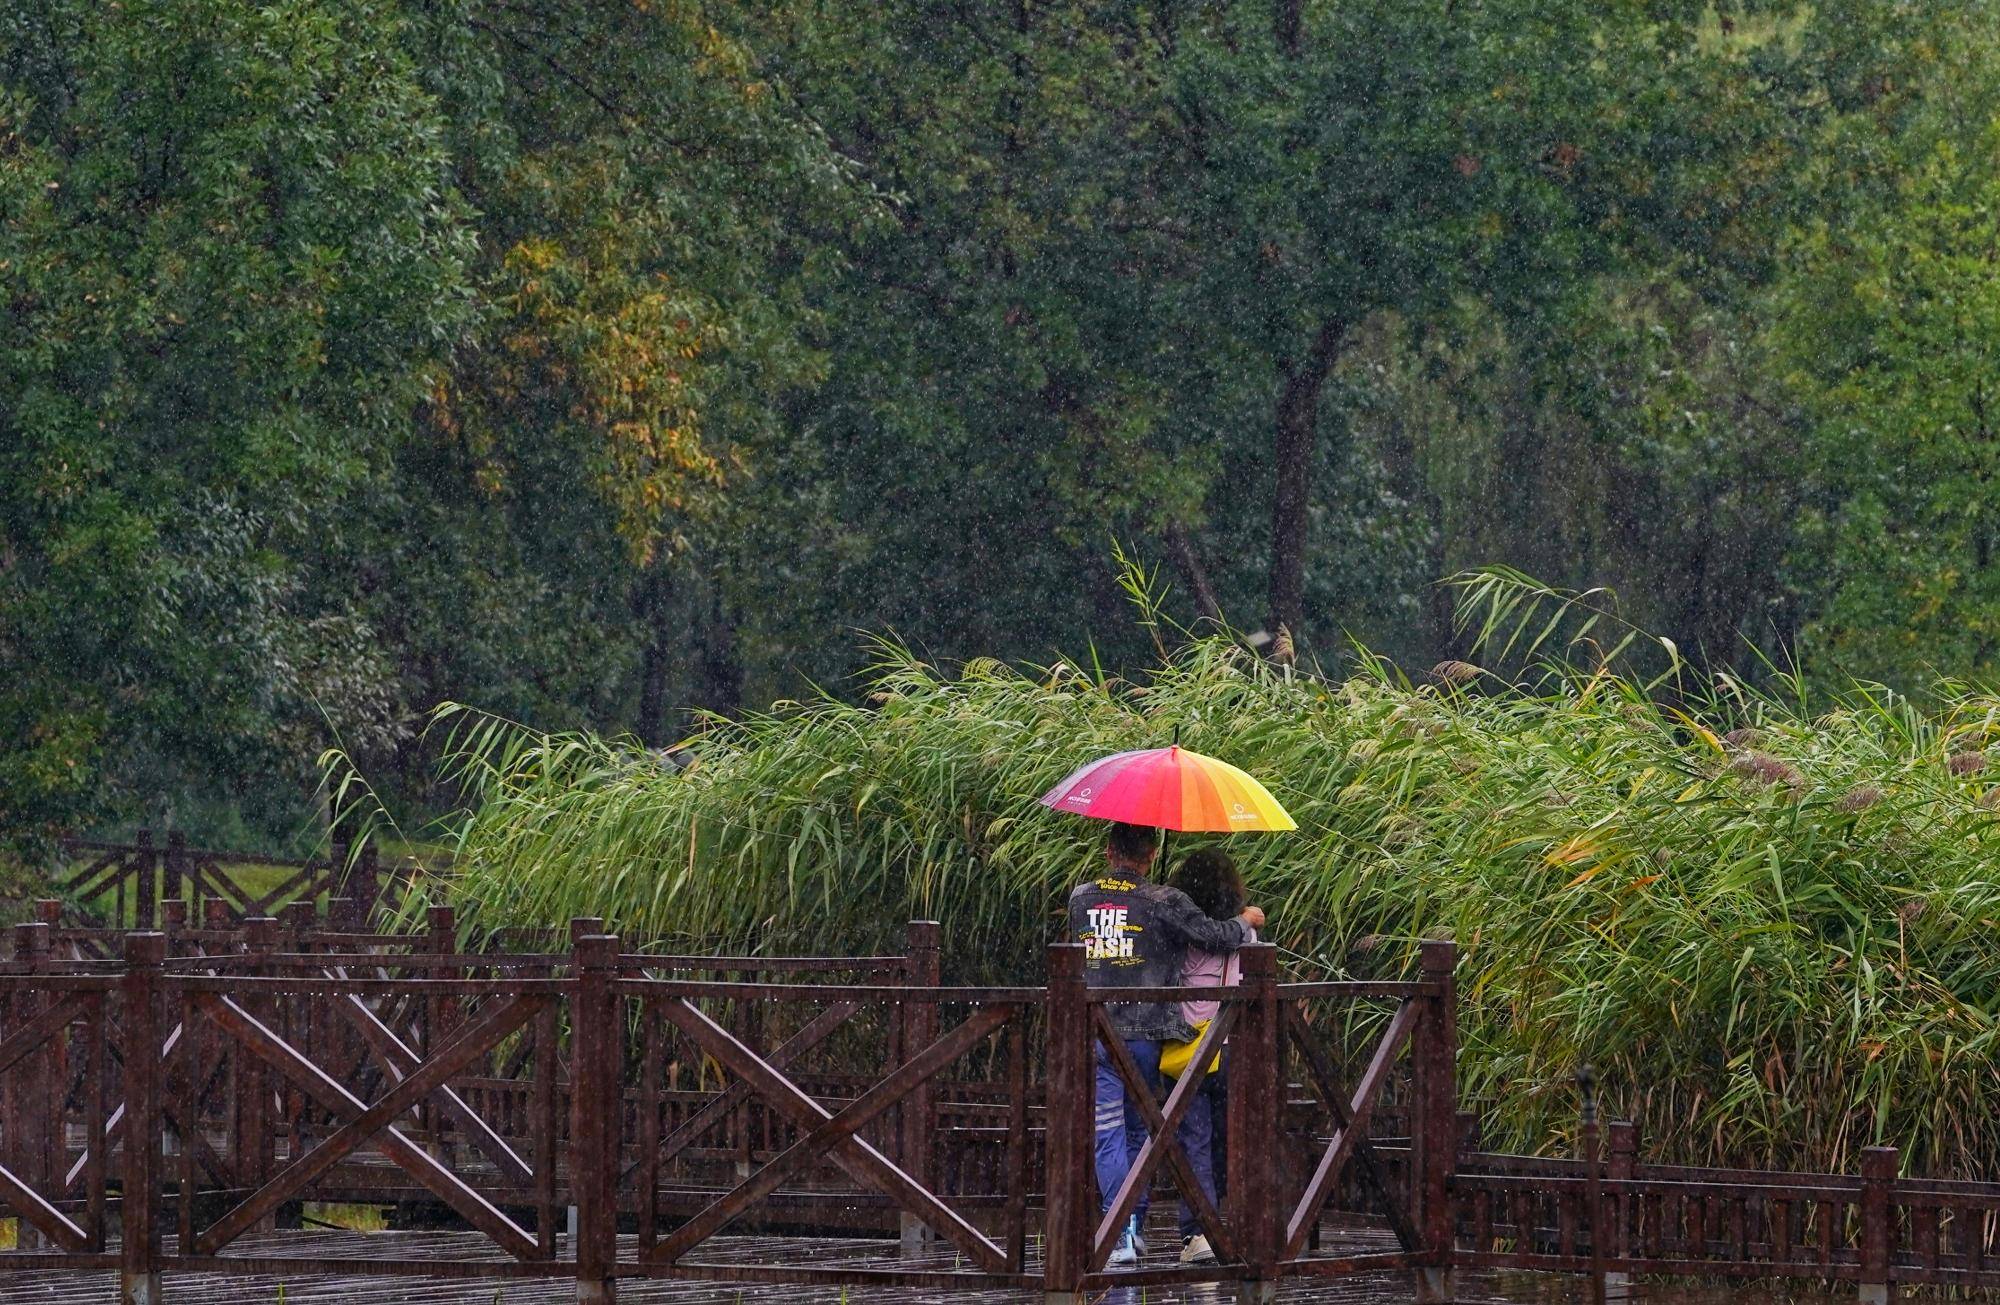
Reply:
x=287, y=1259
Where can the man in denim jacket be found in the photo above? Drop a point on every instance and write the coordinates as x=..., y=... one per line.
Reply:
x=1135, y=934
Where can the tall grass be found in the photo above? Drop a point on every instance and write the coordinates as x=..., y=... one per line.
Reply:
x=1773, y=925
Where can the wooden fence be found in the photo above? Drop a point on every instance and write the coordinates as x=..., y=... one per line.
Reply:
x=133, y=884
x=1613, y=1217
x=598, y=1113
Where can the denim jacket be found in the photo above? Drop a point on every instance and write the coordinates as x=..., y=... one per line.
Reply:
x=1136, y=934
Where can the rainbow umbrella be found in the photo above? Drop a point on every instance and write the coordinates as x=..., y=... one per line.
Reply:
x=1170, y=788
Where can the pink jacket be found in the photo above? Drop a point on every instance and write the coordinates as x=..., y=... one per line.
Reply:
x=1210, y=970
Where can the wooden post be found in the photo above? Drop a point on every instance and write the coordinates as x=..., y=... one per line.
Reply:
x=174, y=922
x=1434, y=1123
x=596, y=1071
x=96, y=1068
x=440, y=1017
x=260, y=938
x=258, y=1156
x=174, y=871
x=365, y=884
x=1878, y=1180
x=52, y=1079
x=1254, y=1114
x=37, y=1074
x=49, y=911
x=215, y=915
x=343, y=915
x=139, y=869
x=146, y=886
x=309, y=1026
x=298, y=919
x=746, y=1022
x=341, y=858
x=14, y=1010
x=545, y=1125
x=580, y=927
x=139, y=1203
x=1595, y=1225
x=923, y=968
x=652, y=1058
x=1068, y=1211
x=443, y=925
x=1621, y=1169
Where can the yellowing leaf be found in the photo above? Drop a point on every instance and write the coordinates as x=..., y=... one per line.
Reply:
x=1576, y=849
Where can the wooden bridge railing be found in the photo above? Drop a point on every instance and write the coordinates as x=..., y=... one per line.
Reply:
x=1612, y=1216
x=132, y=885
x=159, y=1107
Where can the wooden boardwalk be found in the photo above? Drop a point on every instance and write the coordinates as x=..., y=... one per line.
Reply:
x=197, y=1086
x=79, y=1287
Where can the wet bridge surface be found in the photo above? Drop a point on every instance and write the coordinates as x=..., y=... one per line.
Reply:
x=1390, y=1288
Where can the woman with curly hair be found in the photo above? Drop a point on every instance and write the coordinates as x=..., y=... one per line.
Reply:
x=1209, y=877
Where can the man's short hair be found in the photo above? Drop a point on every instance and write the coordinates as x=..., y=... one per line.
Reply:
x=1133, y=842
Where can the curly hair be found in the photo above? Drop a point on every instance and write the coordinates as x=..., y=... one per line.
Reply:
x=1208, y=876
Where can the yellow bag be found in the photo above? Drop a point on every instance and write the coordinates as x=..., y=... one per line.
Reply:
x=1175, y=1057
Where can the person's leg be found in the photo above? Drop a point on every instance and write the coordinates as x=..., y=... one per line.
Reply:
x=1114, y=1158
x=1216, y=1094
x=1196, y=1132
x=1146, y=1055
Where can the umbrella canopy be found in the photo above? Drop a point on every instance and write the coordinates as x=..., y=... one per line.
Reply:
x=1170, y=788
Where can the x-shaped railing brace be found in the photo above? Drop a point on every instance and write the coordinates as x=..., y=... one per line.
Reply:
x=399, y=1061
x=1163, y=1142
x=27, y=1202
x=833, y=1136
x=371, y=1124
x=188, y=1130
x=1350, y=1136
x=738, y=1093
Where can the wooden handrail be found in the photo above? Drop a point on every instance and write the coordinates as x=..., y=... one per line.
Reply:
x=508, y=1086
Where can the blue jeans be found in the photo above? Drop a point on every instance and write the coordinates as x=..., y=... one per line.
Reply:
x=1121, y=1131
x=1205, y=1132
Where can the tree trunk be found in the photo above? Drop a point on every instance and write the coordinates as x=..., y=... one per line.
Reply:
x=721, y=666
x=1434, y=640
x=1192, y=571
x=1288, y=24
x=654, y=590
x=1297, y=430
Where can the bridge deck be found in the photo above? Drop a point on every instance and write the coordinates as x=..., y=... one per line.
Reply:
x=73, y=1287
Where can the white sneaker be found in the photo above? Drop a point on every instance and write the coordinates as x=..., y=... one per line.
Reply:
x=1195, y=1250
x=1126, y=1253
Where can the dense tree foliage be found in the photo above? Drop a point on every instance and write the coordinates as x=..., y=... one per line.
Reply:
x=597, y=362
